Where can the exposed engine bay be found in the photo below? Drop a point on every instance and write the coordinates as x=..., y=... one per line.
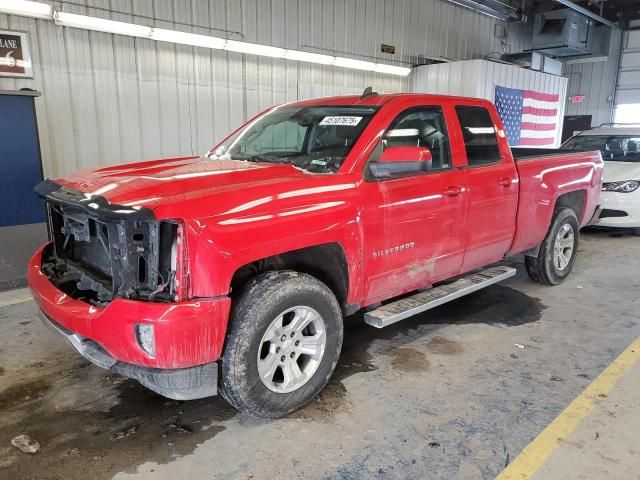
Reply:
x=101, y=250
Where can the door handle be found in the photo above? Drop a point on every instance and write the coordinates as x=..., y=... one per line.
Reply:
x=505, y=181
x=453, y=191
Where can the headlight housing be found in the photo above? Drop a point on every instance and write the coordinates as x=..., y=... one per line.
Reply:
x=625, y=186
x=146, y=338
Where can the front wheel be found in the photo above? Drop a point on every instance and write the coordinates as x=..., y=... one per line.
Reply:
x=558, y=250
x=284, y=342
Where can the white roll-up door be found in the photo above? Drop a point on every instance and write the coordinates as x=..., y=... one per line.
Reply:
x=627, y=100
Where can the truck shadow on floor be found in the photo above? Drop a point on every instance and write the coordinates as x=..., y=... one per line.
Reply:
x=495, y=305
x=609, y=232
x=82, y=415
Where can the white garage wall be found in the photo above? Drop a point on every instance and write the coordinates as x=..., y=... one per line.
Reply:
x=108, y=98
x=597, y=81
x=628, y=88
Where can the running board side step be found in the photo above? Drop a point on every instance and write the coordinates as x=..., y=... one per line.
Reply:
x=420, y=302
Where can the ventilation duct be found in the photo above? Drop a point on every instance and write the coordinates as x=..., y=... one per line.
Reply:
x=561, y=33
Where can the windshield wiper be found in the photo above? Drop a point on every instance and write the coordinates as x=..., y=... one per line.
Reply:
x=263, y=158
x=253, y=158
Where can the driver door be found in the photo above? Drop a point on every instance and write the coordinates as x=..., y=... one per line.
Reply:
x=414, y=224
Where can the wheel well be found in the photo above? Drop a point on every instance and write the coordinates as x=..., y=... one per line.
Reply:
x=326, y=262
x=572, y=200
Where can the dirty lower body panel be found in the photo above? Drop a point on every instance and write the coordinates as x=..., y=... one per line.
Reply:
x=178, y=384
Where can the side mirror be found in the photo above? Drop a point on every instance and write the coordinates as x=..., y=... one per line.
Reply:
x=397, y=161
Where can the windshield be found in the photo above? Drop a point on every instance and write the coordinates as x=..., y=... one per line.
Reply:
x=617, y=148
x=317, y=139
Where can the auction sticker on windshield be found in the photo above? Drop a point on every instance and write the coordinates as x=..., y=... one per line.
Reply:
x=343, y=121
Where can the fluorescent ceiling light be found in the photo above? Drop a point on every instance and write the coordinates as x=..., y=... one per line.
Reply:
x=84, y=22
x=309, y=57
x=255, y=49
x=351, y=63
x=481, y=130
x=402, y=132
x=174, y=36
x=392, y=69
x=101, y=25
x=26, y=9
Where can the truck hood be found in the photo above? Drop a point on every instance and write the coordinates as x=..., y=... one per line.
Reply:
x=233, y=191
x=619, y=171
x=157, y=183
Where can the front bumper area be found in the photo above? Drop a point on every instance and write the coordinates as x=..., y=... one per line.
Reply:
x=189, y=336
x=178, y=384
x=620, y=209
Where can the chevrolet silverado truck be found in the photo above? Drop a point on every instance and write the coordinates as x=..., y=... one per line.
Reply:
x=232, y=272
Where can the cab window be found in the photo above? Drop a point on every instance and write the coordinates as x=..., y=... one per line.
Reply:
x=479, y=135
x=421, y=127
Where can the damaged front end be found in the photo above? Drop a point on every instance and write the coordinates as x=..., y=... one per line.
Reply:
x=114, y=283
x=100, y=251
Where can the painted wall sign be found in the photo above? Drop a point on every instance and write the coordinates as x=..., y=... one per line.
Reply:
x=15, y=55
x=384, y=48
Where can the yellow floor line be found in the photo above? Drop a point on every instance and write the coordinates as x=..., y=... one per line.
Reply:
x=15, y=301
x=539, y=450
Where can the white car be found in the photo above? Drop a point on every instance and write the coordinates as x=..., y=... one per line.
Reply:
x=620, y=147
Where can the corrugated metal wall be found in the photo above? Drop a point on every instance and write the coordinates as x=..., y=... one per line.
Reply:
x=628, y=88
x=109, y=99
x=597, y=81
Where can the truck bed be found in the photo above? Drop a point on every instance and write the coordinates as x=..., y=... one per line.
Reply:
x=528, y=153
x=545, y=175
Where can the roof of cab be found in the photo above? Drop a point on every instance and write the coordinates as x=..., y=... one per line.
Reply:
x=377, y=100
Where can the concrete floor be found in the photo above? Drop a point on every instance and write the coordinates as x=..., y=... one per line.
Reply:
x=17, y=244
x=605, y=444
x=455, y=393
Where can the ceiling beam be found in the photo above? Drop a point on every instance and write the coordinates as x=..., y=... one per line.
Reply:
x=575, y=7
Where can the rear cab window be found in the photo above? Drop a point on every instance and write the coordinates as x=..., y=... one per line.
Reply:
x=479, y=135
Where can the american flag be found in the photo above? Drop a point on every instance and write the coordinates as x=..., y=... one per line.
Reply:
x=530, y=118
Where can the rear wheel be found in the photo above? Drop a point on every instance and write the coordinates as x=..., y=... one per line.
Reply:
x=283, y=344
x=558, y=250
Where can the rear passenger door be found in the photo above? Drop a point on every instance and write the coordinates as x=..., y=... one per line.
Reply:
x=492, y=182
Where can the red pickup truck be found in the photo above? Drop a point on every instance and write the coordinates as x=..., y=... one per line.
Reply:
x=232, y=272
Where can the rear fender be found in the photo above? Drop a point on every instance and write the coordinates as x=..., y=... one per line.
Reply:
x=546, y=183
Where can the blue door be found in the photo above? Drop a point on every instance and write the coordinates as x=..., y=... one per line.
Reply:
x=20, y=165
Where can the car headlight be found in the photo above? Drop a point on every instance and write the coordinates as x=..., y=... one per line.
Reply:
x=626, y=186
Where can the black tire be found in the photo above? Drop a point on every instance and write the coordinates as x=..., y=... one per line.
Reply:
x=635, y=231
x=543, y=269
x=264, y=298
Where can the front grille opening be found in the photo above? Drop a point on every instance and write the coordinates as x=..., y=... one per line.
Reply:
x=96, y=256
x=75, y=281
x=608, y=213
x=142, y=269
x=82, y=240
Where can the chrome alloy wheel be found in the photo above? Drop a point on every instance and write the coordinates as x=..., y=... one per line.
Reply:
x=291, y=349
x=563, y=247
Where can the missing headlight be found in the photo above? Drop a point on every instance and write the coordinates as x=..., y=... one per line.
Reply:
x=146, y=338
